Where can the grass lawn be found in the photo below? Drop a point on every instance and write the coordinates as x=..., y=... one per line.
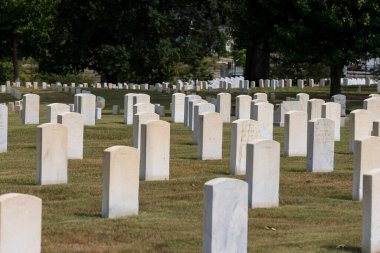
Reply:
x=316, y=213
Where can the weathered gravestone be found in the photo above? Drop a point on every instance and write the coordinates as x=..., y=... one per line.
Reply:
x=295, y=134
x=225, y=218
x=366, y=158
x=30, y=109
x=242, y=132
x=243, y=106
x=20, y=223
x=210, y=136
x=51, y=156
x=371, y=219
x=223, y=106
x=52, y=111
x=320, y=145
x=155, y=150
x=263, y=173
x=74, y=123
x=3, y=128
x=120, y=182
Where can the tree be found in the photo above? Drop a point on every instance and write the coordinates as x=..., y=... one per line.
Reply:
x=140, y=41
x=252, y=28
x=24, y=28
x=312, y=31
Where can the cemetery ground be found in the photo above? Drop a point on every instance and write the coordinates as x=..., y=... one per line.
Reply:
x=316, y=213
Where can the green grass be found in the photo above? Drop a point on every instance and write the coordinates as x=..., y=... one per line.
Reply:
x=316, y=213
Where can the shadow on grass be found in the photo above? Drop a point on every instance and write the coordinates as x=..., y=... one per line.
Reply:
x=343, y=248
x=341, y=197
x=89, y=215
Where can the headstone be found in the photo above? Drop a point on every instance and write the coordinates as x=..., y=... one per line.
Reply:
x=159, y=109
x=243, y=107
x=282, y=109
x=100, y=102
x=373, y=105
x=86, y=104
x=3, y=128
x=261, y=83
x=51, y=154
x=340, y=99
x=186, y=115
x=192, y=104
x=322, y=83
x=141, y=98
x=331, y=110
x=138, y=119
x=74, y=123
x=281, y=83
x=20, y=223
x=178, y=110
x=120, y=182
x=242, y=132
x=225, y=219
x=288, y=83
x=366, y=158
x=300, y=83
x=200, y=109
x=295, y=134
x=98, y=113
x=223, y=106
x=266, y=83
x=30, y=109
x=210, y=137
x=371, y=202
x=155, y=150
x=361, y=122
x=52, y=111
x=263, y=173
x=260, y=96
x=263, y=114
x=115, y=110
x=143, y=107
x=320, y=145
x=303, y=98
x=311, y=82
x=128, y=108
x=314, y=108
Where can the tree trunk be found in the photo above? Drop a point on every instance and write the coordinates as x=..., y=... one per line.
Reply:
x=335, y=75
x=257, y=63
x=16, y=76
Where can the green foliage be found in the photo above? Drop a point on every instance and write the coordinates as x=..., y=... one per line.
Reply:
x=280, y=68
x=5, y=71
x=143, y=41
x=66, y=78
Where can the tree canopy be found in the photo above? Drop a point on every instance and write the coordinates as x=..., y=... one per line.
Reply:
x=133, y=40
